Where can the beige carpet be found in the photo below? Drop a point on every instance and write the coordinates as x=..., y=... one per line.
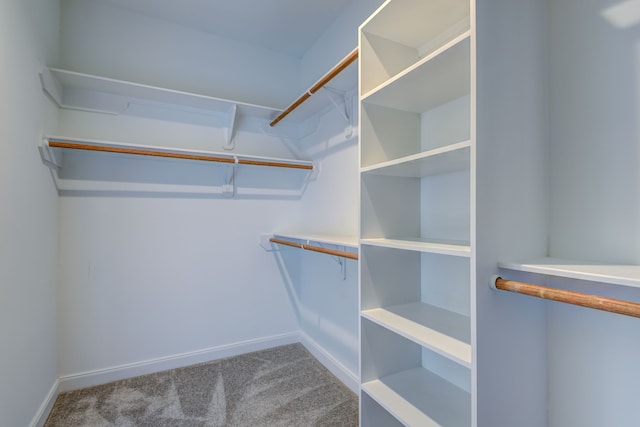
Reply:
x=283, y=386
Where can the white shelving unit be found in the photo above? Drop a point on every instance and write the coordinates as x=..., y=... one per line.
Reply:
x=416, y=146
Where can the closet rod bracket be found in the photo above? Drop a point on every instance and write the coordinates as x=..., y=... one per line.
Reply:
x=228, y=178
x=343, y=104
x=229, y=143
x=49, y=156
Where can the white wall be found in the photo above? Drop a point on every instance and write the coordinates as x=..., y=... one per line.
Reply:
x=512, y=208
x=595, y=205
x=101, y=39
x=328, y=302
x=147, y=276
x=29, y=213
x=336, y=42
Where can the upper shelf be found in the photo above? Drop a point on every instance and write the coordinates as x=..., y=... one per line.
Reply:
x=389, y=48
x=73, y=90
x=343, y=78
x=86, y=92
x=438, y=78
x=624, y=275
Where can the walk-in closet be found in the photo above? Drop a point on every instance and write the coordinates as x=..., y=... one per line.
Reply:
x=363, y=212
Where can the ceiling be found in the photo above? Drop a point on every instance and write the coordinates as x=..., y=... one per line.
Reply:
x=287, y=26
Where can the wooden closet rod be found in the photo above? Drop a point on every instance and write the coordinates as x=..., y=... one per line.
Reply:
x=343, y=254
x=319, y=85
x=596, y=302
x=156, y=153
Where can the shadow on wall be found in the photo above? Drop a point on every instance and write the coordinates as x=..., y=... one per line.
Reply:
x=117, y=175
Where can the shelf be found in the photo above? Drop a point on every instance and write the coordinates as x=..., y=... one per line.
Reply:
x=418, y=397
x=442, y=331
x=342, y=78
x=439, y=78
x=388, y=48
x=461, y=249
x=73, y=90
x=623, y=275
x=451, y=158
x=346, y=241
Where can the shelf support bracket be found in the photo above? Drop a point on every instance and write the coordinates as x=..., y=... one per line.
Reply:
x=229, y=143
x=48, y=156
x=228, y=178
x=345, y=110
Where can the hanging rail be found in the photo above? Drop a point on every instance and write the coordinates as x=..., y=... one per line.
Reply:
x=319, y=85
x=176, y=155
x=343, y=254
x=596, y=302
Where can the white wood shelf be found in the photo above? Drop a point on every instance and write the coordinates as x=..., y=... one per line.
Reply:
x=442, y=247
x=418, y=397
x=623, y=275
x=425, y=27
x=439, y=330
x=442, y=160
x=346, y=241
x=73, y=90
x=438, y=78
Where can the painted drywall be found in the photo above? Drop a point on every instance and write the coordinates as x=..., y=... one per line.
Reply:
x=29, y=213
x=147, y=275
x=150, y=275
x=511, y=208
x=595, y=205
x=594, y=105
x=328, y=301
x=336, y=42
x=99, y=38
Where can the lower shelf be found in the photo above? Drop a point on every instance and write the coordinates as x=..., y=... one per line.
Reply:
x=439, y=330
x=418, y=397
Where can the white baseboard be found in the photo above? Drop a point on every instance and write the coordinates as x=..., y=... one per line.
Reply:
x=349, y=378
x=43, y=412
x=103, y=376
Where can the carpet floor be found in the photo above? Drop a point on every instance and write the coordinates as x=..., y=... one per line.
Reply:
x=282, y=386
